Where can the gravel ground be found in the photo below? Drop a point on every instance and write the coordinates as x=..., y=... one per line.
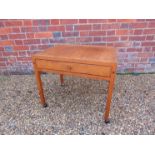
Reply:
x=76, y=107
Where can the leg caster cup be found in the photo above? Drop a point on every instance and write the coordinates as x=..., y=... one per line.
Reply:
x=107, y=121
x=45, y=105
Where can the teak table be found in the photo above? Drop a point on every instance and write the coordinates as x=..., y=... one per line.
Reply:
x=80, y=60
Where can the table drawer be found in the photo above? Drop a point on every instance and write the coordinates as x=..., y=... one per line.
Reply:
x=74, y=67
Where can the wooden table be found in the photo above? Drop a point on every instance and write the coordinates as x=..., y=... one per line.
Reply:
x=94, y=62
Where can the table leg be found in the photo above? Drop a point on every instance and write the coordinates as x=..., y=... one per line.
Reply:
x=40, y=88
x=61, y=79
x=109, y=97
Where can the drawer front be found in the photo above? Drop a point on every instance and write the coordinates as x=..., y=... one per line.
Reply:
x=74, y=67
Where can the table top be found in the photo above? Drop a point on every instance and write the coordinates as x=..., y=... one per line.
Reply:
x=79, y=53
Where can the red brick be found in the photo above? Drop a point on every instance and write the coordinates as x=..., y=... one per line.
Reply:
x=150, y=37
x=147, y=49
x=5, y=30
x=97, y=33
x=34, y=47
x=98, y=39
x=111, y=32
x=147, y=54
x=151, y=25
x=84, y=33
x=97, y=20
x=68, y=21
x=6, y=42
x=30, y=35
x=104, y=39
x=16, y=30
x=144, y=60
x=69, y=40
x=149, y=31
x=110, y=26
x=54, y=21
x=3, y=37
x=140, y=20
x=148, y=43
x=131, y=32
x=70, y=34
x=109, y=44
x=106, y=26
x=96, y=26
x=30, y=53
x=82, y=27
x=45, y=41
x=42, y=47
x=61, y=40
x=122, y=32
x=138, y=25
x=133, y=60
x=151, y=20
x=122, y=54
x=17, y=36
x=84, y=39
x=138, y=32
x=137, y=38
x=82, y=20
x=112, y=38
x=18, y=42
x=10, y=54
x=43, y=35
x=124, y=38
x=153, y=65
x=23, y=53
x=27, y=22
x=1, y=24
x=69, y=27
x=40, y=22
x=139, y=70
x=122, y=44
x=134, y=49
x=20, y=48
x=56, y=28
x=29, y=29
x=111, y=20
x=24, y=59
x=98, y=44
x=3, y=59
x=126, y=20
x=35, y=22
x=140, y=65
x=1, y=48
x=153, y=49
x=1, y=53
x=31, y=41
x=14, y=23
x=11, y=59
x=2, y=64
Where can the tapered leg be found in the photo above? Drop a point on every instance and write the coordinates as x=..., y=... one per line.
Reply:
x=109, y=97
x=40, y=88
x=61, y=79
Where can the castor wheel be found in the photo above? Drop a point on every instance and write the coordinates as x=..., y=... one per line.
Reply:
x=45, y=105
x=107, y=121
x=62, y=84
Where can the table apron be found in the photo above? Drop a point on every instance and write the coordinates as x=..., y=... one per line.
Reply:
x=75, y=68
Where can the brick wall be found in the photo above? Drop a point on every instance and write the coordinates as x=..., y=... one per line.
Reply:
x=134, y=39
